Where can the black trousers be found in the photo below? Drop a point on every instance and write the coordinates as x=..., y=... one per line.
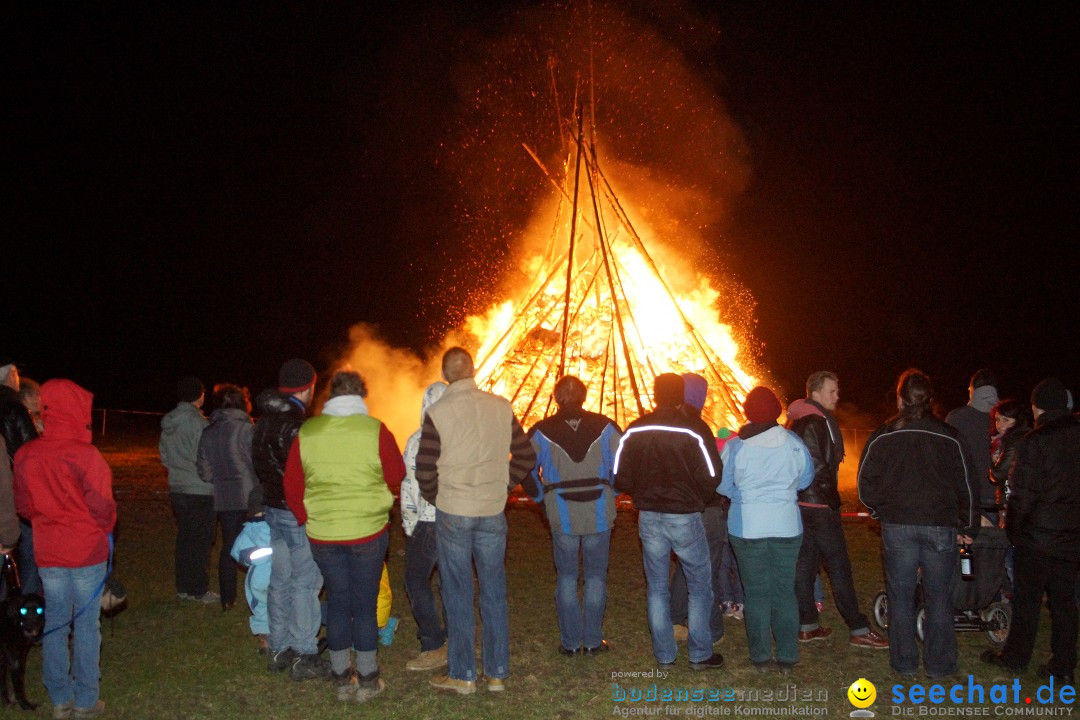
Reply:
x=824, y=543
x=195, y=527
x=1036, y=574
x=232, y=523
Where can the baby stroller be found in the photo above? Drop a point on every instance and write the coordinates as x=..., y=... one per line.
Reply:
x=977, y=603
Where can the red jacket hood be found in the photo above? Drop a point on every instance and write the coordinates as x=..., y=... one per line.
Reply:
x=65, y=411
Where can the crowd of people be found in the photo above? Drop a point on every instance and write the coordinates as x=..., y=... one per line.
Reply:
x=733, y=523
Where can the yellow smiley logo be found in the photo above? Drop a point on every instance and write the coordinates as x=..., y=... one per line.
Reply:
x=862, y=693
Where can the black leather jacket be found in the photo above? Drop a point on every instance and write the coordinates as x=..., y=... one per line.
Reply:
x=814, y=432
x=280, y=419
x=1044, y=496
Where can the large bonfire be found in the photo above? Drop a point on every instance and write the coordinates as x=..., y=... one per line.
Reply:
x=603, y=305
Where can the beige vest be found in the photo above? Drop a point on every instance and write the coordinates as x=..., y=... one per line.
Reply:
x=474, y=457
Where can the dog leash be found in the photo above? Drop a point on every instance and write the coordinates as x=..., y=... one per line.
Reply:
x=95, y=595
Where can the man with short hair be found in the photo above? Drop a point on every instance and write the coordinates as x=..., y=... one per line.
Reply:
x=292, y=599
x=1043, y=523
x=574, y=479
x=472, y=453
x=192, y=498
x=665, y=466
x=973, y=422
x=813, y=420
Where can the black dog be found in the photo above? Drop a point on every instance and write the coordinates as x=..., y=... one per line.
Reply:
x=21, y=624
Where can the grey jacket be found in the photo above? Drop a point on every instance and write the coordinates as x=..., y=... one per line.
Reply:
x=181, y=429
x=224, y=458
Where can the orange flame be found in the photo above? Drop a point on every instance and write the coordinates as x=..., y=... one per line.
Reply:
x=628, y=319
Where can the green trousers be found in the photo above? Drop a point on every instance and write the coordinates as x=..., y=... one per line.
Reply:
x=767, y=569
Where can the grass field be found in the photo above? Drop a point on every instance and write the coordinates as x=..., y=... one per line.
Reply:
x=164, y=659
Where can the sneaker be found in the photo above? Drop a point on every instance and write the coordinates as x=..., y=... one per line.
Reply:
x=309, y=667
x=710, y=663
x=762, y=667
x=496, y=684
x=368, y=686
x=207, y=598
x=682, y=633
x=563, y=650
x=183, y=596
x=280, y=660
x=603, y=647
x=869, y=640
x=386, y=632
x=63, y=712
x=89, y=712
x=785, y=668
x=737, y=611
x=445, y=682
x=428, y=660
x=344, y=685
x=819, y=633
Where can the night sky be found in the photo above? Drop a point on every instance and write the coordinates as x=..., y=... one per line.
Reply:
x=208, y=190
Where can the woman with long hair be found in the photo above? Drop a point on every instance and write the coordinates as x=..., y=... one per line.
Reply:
x=914, y=476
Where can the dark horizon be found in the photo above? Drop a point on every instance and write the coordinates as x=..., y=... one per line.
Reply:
x=211, y=191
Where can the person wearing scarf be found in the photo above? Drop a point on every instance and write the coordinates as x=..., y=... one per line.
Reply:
x=764, y=468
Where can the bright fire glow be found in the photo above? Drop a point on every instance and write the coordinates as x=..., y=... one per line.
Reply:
x=631, y=317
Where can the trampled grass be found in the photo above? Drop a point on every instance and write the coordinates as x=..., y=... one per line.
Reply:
x=163, y=659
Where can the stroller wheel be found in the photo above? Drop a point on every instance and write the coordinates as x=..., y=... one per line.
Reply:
x=920, y=624
x=998, y=617
x=881, y=610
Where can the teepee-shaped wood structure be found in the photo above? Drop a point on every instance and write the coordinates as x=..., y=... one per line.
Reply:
x=599, y=308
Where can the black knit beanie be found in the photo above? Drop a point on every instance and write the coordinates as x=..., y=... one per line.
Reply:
x=1049, y=395
x=296, y=375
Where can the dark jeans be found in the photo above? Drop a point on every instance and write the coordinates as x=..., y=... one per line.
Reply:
x=715, y=520
x=29, y=578
x=907, y=549
x=823, y=542
x=1036, y=574
x=194, y=537
x=232, y=523
x=351, y=575
x=421, y=559
x=767, y=566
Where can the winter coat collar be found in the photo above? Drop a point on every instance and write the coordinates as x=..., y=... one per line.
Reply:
x=344, y=405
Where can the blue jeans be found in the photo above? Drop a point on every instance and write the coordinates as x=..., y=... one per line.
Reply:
x=581, y=623
x=907, y=549
x=352, y=574
x=462, y=541
x=662, y=533
x=421, y=558
x=715, y=520
x=67, y=591
x=292, y=599
x=731, y=589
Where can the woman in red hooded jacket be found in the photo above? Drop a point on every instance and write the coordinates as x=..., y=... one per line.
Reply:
x=64, y=487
